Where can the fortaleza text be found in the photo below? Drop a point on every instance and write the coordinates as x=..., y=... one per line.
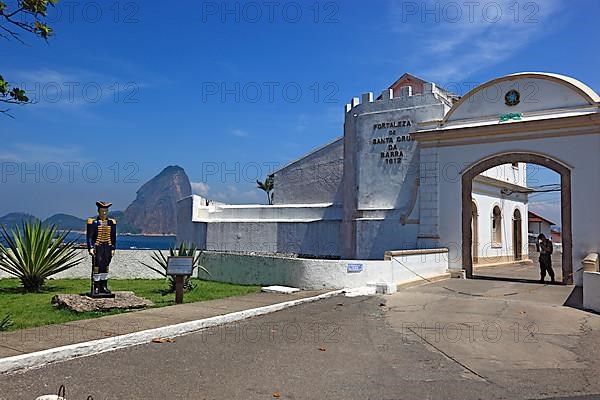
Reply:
x=395, y=124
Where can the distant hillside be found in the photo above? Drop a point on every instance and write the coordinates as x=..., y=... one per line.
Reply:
x=12, y=219
x=123, y=225
x=66, y=222
x=154, y=210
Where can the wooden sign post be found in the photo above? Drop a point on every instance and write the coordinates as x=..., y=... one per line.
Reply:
x=180, y=268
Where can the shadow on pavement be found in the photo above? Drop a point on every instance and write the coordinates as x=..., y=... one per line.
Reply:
x=575, y=299
x=506, y=279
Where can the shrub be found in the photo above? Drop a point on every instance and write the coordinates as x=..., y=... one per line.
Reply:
x=36, y=252
x=184, y=250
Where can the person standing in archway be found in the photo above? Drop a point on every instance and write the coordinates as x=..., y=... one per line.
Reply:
x=545, y=248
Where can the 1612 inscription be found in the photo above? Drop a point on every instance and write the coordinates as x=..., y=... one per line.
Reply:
x=391, y=154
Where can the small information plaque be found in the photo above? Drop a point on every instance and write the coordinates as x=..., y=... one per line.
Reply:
x=180, y=266
x=355, y=268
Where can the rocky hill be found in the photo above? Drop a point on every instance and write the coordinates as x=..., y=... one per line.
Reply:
x=154, y=210
x=66, y=222
x=12, y=219
x=123, y=225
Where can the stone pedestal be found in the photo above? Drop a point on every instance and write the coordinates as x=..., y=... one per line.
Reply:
x=82, y=303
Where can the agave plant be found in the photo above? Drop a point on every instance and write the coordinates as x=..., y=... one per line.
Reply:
x=35, y=252
x=6, y=323
x=184, y=250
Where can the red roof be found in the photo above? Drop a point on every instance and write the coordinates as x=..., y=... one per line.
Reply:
x=533, y=217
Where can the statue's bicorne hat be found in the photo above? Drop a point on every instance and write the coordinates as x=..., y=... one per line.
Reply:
x=103, y=204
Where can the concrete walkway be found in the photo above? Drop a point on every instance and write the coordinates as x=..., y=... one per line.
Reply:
x=52, y=336
x=509, y=334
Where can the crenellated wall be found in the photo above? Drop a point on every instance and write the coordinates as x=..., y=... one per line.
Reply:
x=383, y=169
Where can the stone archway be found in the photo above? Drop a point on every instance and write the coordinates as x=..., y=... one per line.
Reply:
x=530, y=158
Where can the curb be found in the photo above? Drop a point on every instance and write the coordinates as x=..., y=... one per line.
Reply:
x=63, y=353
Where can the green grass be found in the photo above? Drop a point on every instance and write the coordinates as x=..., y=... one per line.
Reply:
x=29, y=310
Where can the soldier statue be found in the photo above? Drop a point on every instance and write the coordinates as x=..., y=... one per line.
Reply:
x=101, y=244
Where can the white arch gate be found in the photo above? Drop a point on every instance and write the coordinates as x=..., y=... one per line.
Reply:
x=538, y=118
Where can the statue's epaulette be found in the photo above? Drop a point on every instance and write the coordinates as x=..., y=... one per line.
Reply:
x=90, y=221
x=114, y=221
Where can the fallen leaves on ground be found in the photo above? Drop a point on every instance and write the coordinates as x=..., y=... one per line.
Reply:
x=163, y=340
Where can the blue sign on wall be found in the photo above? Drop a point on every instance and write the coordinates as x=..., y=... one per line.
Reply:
x=354, y=268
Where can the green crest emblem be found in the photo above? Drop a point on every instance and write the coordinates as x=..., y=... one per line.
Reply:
x=512, y=98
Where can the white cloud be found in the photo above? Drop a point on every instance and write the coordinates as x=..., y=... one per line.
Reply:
x=200, y=188
x=239, y=133
x=456, y=39
x=229, y=194
x=42, y=153
x=74, y=89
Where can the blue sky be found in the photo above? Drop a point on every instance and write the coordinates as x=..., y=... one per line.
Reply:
x=127, y=88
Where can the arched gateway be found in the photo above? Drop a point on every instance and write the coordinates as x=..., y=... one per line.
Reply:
x=536, y=118
x=508, y=158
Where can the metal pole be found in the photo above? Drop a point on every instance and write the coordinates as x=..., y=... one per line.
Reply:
x=179, y=279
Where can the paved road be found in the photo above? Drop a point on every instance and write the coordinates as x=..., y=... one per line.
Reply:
x=357, y=348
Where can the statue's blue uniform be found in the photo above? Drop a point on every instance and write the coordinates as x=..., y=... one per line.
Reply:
x=102, y=237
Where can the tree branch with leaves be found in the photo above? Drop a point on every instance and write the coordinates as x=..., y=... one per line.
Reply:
x=25, y=16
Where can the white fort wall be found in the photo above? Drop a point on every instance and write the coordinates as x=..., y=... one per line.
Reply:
x=314, y=274
x=315, y=178
x=306, y=229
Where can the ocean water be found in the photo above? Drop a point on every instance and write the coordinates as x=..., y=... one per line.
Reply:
x=137, y=242
x=127, y=242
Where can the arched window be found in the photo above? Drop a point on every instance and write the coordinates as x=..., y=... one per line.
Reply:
x=517, y=235
x=497, y=226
